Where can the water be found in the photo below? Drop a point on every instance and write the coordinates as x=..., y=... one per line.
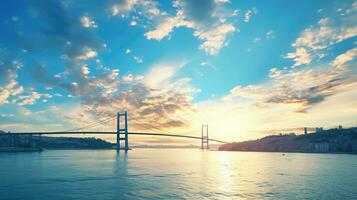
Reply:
x=176, y=174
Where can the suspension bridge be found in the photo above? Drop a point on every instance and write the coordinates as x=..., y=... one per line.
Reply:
x=122, y=133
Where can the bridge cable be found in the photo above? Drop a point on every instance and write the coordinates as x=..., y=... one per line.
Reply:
x=166, y=132
x=94, y=124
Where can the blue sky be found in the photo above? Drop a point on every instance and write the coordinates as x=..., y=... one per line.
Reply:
x=244, y=67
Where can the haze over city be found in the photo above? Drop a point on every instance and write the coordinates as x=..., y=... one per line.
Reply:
x=245, y=68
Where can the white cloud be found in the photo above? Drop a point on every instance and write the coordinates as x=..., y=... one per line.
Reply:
x=212, y=30
x=127, y=51
x=147, y=8
x=126, y=6
x=138, y=59
x=235, y=12
x=302, y=87
x=161, y=73
x=314, y=41
x=251, y=91
x=11, y=89
x=300, y=56
x=248, y=14
x=88, y=23
x=270, y=34
x=26, y=112
x=29, y=99
x=87, y=54
x=156, y=97
x=162, y=30
x=133, y=23
x=11, y=93
x=257, y=40
x=214, y=39
x=222, y=1
x=323, y=22
x=7, y=115
x=128, y=78
x=341, y=60
x=32, y=98
x=57, y=95
x=75, y=84
x=208, y=64
x=85, y=70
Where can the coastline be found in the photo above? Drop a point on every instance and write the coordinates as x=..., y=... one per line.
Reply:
x=19, y=149
x=283, y=152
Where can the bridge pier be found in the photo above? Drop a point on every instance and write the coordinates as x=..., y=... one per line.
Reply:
x=122, y=131
x=39, y=141
x=30, y=141
x=204, y=137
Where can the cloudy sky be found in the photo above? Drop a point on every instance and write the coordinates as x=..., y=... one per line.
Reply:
x=245, y=68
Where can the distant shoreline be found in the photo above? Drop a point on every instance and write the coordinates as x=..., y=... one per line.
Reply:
x=283, y=152
x=19, y=149
x=332, y=141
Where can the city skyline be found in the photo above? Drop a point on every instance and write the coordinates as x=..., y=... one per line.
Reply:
x=239, y=67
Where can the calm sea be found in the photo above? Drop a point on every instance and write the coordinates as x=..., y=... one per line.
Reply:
x=176, y=174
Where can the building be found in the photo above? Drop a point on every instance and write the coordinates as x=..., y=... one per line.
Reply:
x=321, y=147
x=319, y=129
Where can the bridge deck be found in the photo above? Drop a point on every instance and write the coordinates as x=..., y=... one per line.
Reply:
x=109, y=133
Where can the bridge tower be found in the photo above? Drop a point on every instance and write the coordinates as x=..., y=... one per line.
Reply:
x=204, y=138
x=122, y=130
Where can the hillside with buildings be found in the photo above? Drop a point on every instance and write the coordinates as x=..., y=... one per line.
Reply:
x=8, y=140
x=337, y=140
